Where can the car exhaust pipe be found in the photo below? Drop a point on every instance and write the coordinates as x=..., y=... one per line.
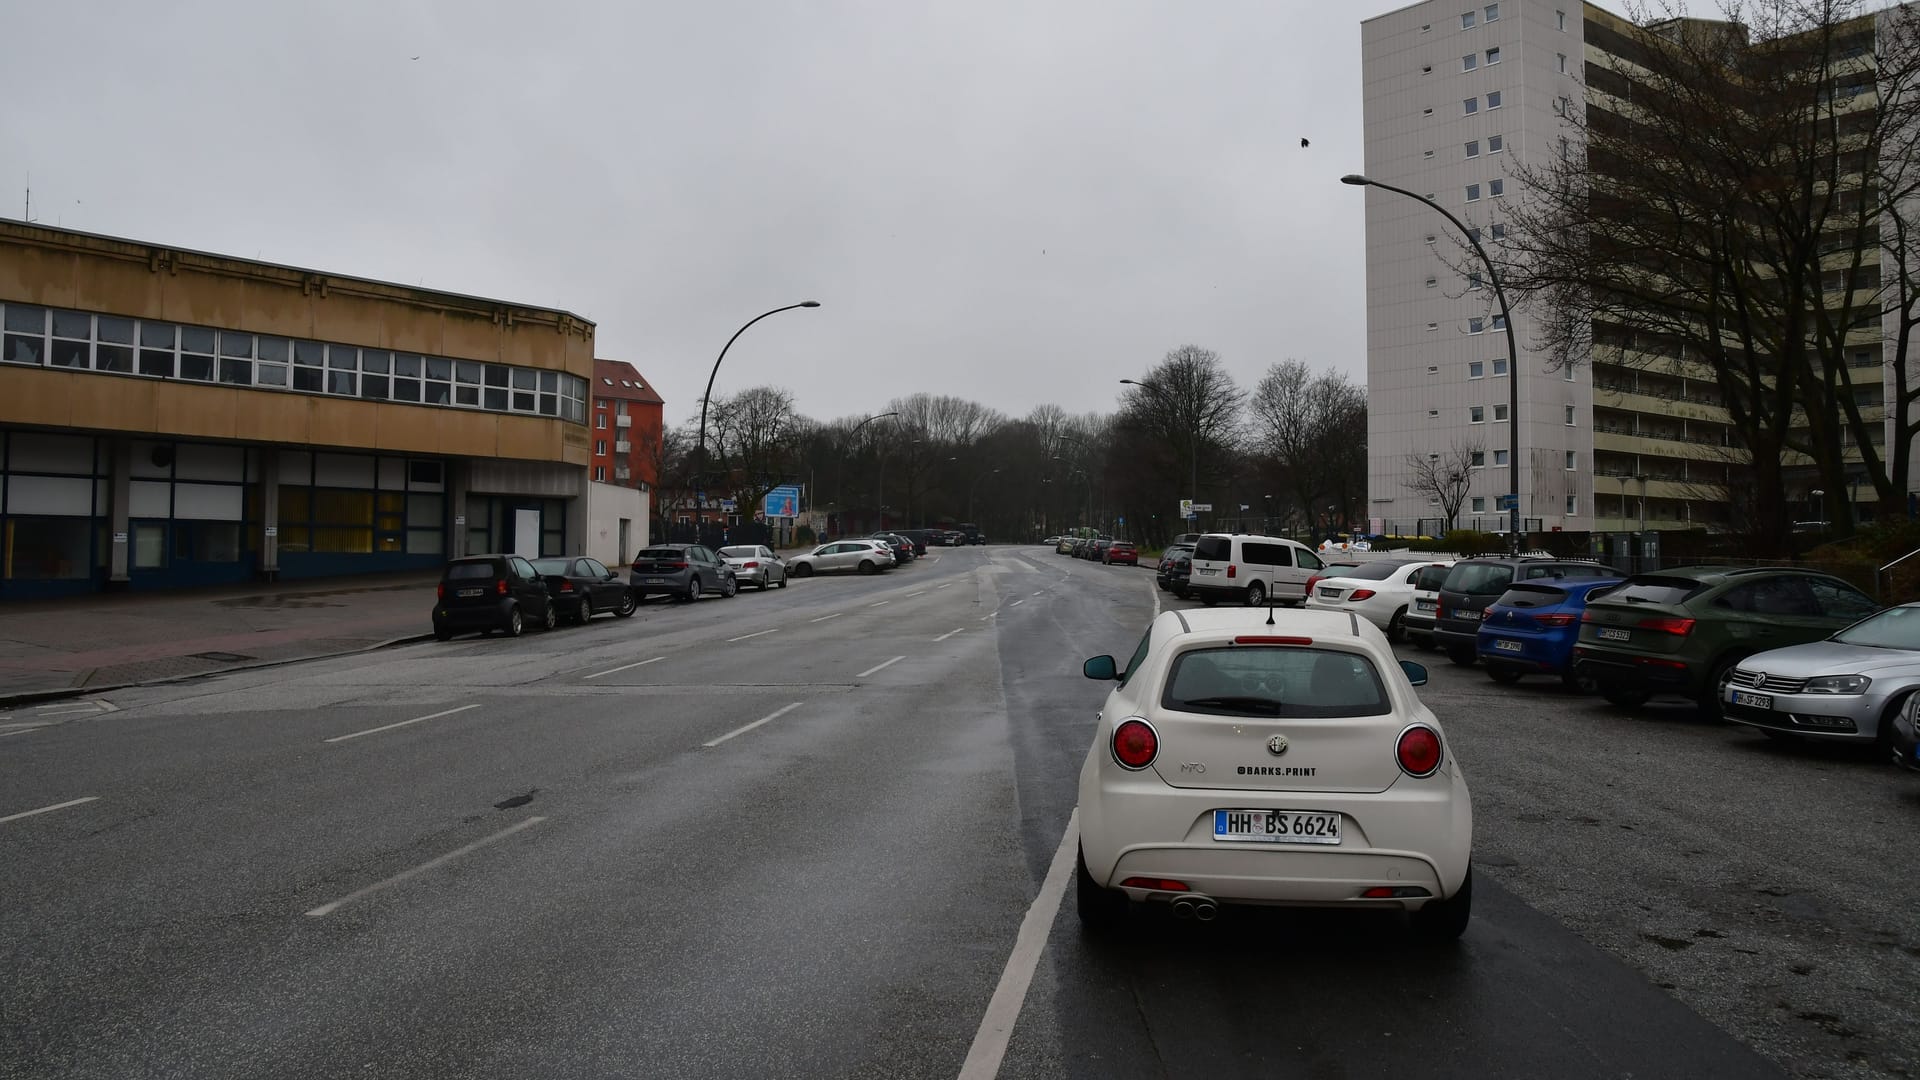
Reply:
x=1183, y=908
x=1205, y=910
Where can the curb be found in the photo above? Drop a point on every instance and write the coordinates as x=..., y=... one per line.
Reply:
x=30, y=697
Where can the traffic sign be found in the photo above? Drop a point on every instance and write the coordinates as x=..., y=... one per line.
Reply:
x=1507, y=502
x=1188, y=508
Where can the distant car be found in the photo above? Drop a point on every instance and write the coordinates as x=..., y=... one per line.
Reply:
x=1472, y=584
x=491, y=592
x=1096, y=551
x=1285, y=762
x=583, y=586
x=901, y=547
x=1120, y=551
x=1161, y=576
x=1064, y=546
x=1850, y=687
x=1532, y=629
x=685, y=572
x=1685, y=630
x=1051, y=541
x=756, y=565
x=1179, y=572
x=863, y=556
x=1379, y=592
x=1417, y=624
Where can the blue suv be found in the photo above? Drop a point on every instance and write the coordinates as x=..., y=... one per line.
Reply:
x=1532, y=629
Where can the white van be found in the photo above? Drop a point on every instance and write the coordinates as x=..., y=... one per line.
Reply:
x=1249, y=569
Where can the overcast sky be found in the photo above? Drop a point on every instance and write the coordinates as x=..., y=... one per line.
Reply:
x=1010, y=200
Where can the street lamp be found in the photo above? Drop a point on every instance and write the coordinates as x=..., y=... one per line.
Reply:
x=1084, y=475
x=841, y=484
x=1194, y=456
x=1513, y=351
x=701, y=451
x=880, y=498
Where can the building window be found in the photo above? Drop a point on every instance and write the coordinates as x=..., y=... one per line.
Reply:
x=1473, y=235
x=1499, y=231
x=600, y=473
x=1469, y=62
x=1473, y=281
x=1477, y=414
x=1560, y=17
x=1476, y=370
x=1573, y=505
x=1563, y=62
x=1493, y=99
x=1479, y=504
x=1573, y=460
x=1466, y=20
x=1473, y=192
x=1476, y=325
x=1499, y=322
x=599, y=403
x=1471, y=105
x=1570, y=373
x=600, y=420
x=600, y=448
x=1496, y=143
x=1428, y=155
x=1493, y=12
x=1496, y=188
x=1433, y=326
x=1499, y=458
x=1493, y=56
x=1499, y=368
x=1569, y=416
x=1499, y=414
x=1426, y=112
x=1473, y=148
x=1478, y=460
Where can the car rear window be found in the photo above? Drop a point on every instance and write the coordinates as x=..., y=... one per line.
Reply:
x=1432, y=578
x=662, y=553
x=1373, y=571
x=1479, y=578
x=738, y=552
x=1654, y=590
x=1525, y=596
x=1273, y=681
x=552, y=566
x=470, y=571
x=1213, y=548
x=1123, y=544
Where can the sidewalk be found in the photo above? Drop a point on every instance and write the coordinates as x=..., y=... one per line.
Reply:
x=53, y=648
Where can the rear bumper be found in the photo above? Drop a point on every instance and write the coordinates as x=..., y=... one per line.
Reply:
x=1447, y=638
x=1657, y=675
x=660, y=583
x=1235, y=593
x=1537, y=654
x=472, y=616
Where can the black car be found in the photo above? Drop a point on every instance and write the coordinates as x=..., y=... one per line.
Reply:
x=1179, y=570
x=902, y=547
x=1097, y=550
x=1163, y=573
x=491, y=592
x=1472, y=584
x=584, y=587
x=682, y=571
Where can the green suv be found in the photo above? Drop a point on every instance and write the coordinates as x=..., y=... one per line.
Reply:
x=1680, y=631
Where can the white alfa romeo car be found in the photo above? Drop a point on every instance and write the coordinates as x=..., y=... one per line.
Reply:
x=1276, y=758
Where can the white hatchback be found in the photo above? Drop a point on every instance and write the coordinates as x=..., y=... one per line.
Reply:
x=1274, y=758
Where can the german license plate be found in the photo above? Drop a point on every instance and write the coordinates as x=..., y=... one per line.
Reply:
x=1330, y=594
x=1509, y=646
x=1755, y=701
x=1609, y=633
x=471, y=592
x=1276, y=826
x=1204, y=572
x=656, y=581
x=1426, y=605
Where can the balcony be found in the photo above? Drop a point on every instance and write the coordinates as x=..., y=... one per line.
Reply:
x=622, y=474
x=1700, y=407
x=623, y=421
x=623, y=446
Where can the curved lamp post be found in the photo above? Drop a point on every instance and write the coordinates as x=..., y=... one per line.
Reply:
x=701, y=451
x=1513, y=352
x=1194, y=456
x=840, y=486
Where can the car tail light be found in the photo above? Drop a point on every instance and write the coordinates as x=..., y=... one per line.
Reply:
x=1418, y=751
x=1232, y=571
x=1361, y=594
x=1587, y=616
x=1485, y=614
x=565, y=585
x=1439, y=609
x=440, y=591
x=1158, y=884
x=1311, y=582
x=1394, y=892
x=1135, y=744
x=500, y=586
x=1668, y=625
x=750, y=565
x=1561, y=619
x=677, y=566
x=1269, y=639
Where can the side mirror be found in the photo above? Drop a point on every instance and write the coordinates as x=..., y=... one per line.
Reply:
x=1416, y=673
x=1101, y=668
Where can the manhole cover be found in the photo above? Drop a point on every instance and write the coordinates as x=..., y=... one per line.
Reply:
x=221, y=657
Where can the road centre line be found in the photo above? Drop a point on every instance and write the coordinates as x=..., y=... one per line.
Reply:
x=879, y=667
x=1042, y=592
x=757, y=633
x=948, y=585
x=68, y=711
x=326, y=909
x=1003, y=1009
x=1018, y=602
x=911, y=595
x=950, y=633
x=824, y=618
x=47, y=809
x=767, y=719
x=403, y=723
x=624, y=667
x=21, y=731
x=882, y=603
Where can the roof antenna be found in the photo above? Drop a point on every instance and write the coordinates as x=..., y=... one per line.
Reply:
x=1269, y=607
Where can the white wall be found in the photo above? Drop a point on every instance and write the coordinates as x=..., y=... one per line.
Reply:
x=607, y=506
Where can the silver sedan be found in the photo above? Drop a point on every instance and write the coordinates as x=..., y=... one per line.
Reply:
x=1846, y=688
x=757, y=565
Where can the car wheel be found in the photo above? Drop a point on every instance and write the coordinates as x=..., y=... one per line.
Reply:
x=1209, y=600
x=1423, y=643
x=866, y=566
x=1578, y=683
x=1505, y=676
x=728, y=587
x=583, y=614
x=783, y=581
x=551, y=619
x=763, y=584
x=1102, y=910
x=627, y=605
x=1461, y=655
x=1626, y=697
x=1883, y=738
x=1709, y=705
x=693, y=591
x=442, y=634
x=1396, y=626
x=515, y=624
x=1441, y=921
x=803, y=570
x=1256, y=595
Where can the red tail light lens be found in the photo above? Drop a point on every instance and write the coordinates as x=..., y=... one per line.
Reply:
x=1485, y=614
x=1668, y=625
x=1562, y=619
x=1269, y=639
x=500, y=586
x=1418, y=751
x=1361, y=594
x=1134, y=744
x=1232, y=571
x=1158, y=884
x=750, y=565
x=440, y=591
x=565, y=585
x=1311, y=582
x=1587, y=616
x=677, y=566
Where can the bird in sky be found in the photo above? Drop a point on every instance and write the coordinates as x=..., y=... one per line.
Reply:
x=1303, y=142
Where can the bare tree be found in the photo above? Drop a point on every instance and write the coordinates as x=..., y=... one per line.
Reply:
x=1445, y=478
x=754, y=433
x=1189, y=401
x=1306, y=425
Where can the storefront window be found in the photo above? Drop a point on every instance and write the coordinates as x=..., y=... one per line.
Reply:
x=46, y=549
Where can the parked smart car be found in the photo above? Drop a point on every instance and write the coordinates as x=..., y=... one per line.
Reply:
x=756, y=565
x=683, y=571
x=1277, y=759
x=491, y=592
x=1472, y=584
x=1379, y=592
x=1248, y=569
x=1532, y=629
x=863, y=555
x=1684, y=629
x=583, y=586
x=1849, y=687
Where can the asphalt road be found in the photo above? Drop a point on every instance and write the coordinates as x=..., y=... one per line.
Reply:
x=797, y=834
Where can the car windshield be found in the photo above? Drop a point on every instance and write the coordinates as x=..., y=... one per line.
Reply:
x=553, y=566
x=739, y=552
x=469, y=571
x=1654, y=590
x=1894, y=628
x=1530, y=596
x=1283, y=682
x=1373, y=571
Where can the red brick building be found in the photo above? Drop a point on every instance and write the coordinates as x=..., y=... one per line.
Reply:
x=626, y=425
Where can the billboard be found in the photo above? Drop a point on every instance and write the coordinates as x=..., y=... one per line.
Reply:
x=783, y=502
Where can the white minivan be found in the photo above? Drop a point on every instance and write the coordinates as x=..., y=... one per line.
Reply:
x=1249, y=569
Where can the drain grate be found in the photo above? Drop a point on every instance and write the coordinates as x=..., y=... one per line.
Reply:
x=221, y=657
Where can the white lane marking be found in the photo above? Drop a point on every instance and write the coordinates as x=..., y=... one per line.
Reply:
x=757, y=633
x=69, y=711
x=1018, y=602
x=1154, y=590
x=882, y=603
x=329, y=908
x=20, y=731
x=950, y=633
x=403, y=723
x=1042, y=592
x=624, y=667
x=879, y=667
x=47, y=809
x=767, y=719
x=948, y=585
x=911, y=595
x=824, y=618
x=1003, y=1009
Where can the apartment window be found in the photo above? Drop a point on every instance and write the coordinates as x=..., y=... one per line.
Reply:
x=1433, y=326
x=1499, y=231
x=1499, y=368
x=1493, y=12
x=1433, y=457
x=600, y=473
x=1499, y=458
x=1499, y=322
x=1560, y=17
x=1431, y=282
x=1426, y=69
x=1479, y=459
x=1466, y=20
x=1428, y=155
x=1563, y=62
x=600, y=403
x=1479, y=504
x=1573, y=460
x=1493, y=99
x=1426, y=112
x=1496, y=143
x=1477, y=414
x=1471, y=105
x=1473, y=281
x=1473, y=192
x=1473, y=235
x=1469, y=62
x=600, y=420
x=599, y=447
x=1493, y=56
x=1476, y=326
x=1569, y=416
x=1433, y=369
x=1499, y=414
x=1496, y=188
x=1473, y=148
x=1476, y=370
x=1573, y=505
